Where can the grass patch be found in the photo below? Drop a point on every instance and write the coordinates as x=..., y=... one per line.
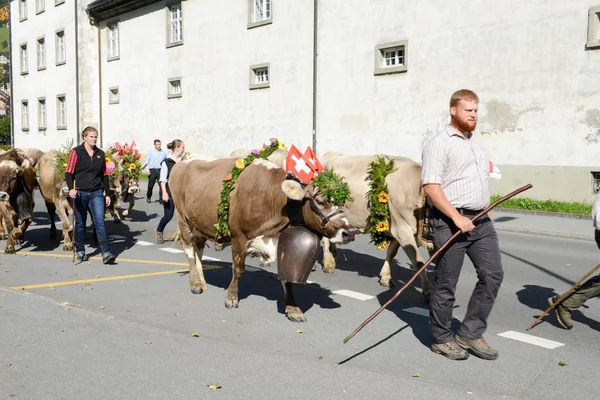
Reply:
x=545, y=205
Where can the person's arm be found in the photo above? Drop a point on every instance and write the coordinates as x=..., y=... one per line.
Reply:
x=70, y=173
x=162, y=180
x=434, y=162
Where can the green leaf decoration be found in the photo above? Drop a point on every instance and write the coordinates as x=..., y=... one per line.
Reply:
x=379, y=214
x=333, y=187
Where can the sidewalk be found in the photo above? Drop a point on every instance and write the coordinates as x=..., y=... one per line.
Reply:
x=544, y=225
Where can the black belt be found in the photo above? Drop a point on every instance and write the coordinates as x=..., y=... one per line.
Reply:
x=462, y=211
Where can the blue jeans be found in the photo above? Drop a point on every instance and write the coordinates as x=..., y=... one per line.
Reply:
x=95, y=201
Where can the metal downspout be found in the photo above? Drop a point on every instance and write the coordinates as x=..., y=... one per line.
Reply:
x=315, y=54
x=77, y=73
x=10, y=73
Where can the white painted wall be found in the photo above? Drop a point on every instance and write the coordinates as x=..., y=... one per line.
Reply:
x=48, y=83
x=217, y=113
x=539, y=87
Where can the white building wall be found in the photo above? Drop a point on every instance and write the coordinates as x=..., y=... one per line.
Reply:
x=49, y=82
x=217, y=112
x=538, y=84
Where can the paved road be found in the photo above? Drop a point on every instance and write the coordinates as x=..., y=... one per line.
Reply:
x=72, y=331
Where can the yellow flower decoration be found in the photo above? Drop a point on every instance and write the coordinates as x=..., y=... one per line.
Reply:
x=239, y=163
x=65, y=165
x=382, y=246
x=383, y=197
x=132, y=166
x=382, y=226
x=107, y=160
x=261, y=149
x=280, y=145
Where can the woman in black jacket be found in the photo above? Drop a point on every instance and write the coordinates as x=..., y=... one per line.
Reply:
x=177, y=148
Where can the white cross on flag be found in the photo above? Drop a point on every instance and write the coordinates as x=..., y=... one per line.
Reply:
x=495, y=171
x=299, y=165
x=316, y=164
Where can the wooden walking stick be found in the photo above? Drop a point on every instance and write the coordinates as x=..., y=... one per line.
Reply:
x=73, y=223
x=563, y=296
x=448, y=242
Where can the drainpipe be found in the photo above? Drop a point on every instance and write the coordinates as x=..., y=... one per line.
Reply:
x=10, y=73
x=96, y=23
x=77, y=73
x=315, y=54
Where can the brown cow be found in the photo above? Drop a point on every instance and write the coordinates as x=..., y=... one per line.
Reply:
x=17, y=181
x=55, y=194
x=257, y=215
x=406, y=202
x=124, y=190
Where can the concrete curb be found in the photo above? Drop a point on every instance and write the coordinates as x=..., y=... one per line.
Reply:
x=545, y=233
x=542, y=213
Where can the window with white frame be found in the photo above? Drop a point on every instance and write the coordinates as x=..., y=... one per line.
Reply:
x=22, y=10
x=259, y=13
x=24, y=59
x=593, y=28
x=113, y=41
x=24, y=115
x=391, y=57
x=40, y=6
x=175, y=25
x=41, y=53
x=174, y=88
x=61, y=111
x=61, y=48
x=42, y=114
x=260, y=76
x=113, y=95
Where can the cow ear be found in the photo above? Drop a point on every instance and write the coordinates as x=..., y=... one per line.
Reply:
x=26, y=164
x=293, y=189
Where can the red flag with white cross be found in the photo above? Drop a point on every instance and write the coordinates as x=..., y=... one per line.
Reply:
x=299, y=165
x=316, y=164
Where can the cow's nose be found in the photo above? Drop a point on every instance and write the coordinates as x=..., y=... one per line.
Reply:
x=347, y=236
x=4, y=196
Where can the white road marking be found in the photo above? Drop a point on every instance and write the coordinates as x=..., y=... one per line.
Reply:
x=538, y=341
x=354, y=295
x=143, y=243
x=171, y=250
x=206, y=258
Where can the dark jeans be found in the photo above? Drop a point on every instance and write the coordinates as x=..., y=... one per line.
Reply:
x=95, y=201
x=169, y=208
x=481, y=245
x=152, y=179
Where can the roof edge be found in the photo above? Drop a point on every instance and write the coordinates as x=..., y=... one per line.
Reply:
x=101, y=10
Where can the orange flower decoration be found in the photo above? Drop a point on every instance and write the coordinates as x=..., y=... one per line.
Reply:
x=228, y=177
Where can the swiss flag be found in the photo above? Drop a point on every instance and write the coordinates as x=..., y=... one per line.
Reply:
x=316, y=164
x=299, y=165
x=494, y=171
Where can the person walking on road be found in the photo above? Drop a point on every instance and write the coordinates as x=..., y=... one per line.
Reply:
x=86, y=167
x=177, y=148
x=153, y=161
x=588, y=290
x=455, y=178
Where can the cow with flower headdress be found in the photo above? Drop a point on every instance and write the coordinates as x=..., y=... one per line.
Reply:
x=123, y=162
x=262, y=210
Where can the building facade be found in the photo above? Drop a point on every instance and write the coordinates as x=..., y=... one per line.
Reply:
x=340, y=75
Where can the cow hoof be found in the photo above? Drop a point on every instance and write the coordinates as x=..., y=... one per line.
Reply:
x=2, y=236
x=67, y=247
x=125, y=213
x=9, y=251
x=218, y=246
x=231, y=303
x=328, y=269
x=388, y=283
x=196, y=290
x=294, y=314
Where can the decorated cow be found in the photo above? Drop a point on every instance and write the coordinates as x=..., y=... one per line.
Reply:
x=125, y=168
x=260, y=209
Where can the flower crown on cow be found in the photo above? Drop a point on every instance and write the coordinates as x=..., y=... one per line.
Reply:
x=306, y=167
x=132, y=167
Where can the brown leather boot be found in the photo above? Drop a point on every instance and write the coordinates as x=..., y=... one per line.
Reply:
x=159, y=237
